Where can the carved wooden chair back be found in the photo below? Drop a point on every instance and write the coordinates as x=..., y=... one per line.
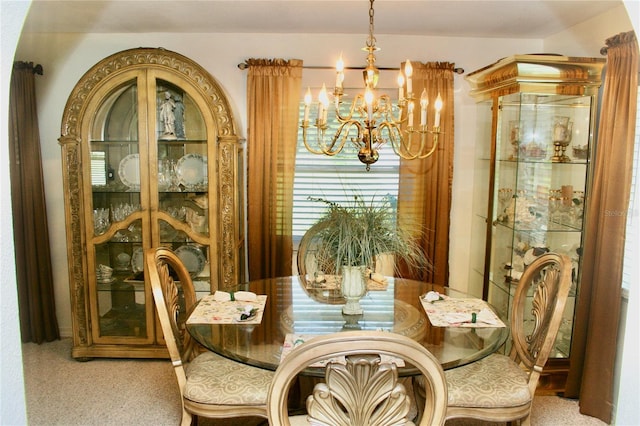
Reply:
x=210, y=385
x=174, y=296
x=362, y=389
x=537, y=312
x=307, y=261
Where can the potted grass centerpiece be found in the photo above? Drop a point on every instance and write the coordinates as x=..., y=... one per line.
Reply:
x=351, y=236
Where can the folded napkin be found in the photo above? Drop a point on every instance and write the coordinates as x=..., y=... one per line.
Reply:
x=242, y=296
x=377, y=277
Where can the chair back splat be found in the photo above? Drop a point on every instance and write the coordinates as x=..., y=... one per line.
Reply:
x=359, y=388
x=537, y=312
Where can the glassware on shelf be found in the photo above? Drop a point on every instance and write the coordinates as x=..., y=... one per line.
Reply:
x=122, y=210
x=504, y=196
x=167, y=179
x=577, y=207
x=514, y=138
x=101, y=221
x=562, y=135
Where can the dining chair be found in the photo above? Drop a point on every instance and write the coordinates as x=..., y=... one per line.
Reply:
x=308, y=263
x=306, y=259
x=358, y=387
x=210, y=385
x=500, y=388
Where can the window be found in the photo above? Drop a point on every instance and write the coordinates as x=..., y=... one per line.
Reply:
x=336, y=178
x=98, y=168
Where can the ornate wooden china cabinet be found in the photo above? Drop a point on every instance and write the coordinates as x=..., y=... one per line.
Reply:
x=535, y=129
x=150, y=157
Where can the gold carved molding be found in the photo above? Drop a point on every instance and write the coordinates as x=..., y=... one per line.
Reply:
x=148, y=57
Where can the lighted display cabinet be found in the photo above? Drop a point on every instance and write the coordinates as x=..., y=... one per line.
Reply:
x=535, y=140
x=150, y=158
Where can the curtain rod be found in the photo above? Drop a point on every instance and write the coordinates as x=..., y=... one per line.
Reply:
x=36, y=69
x=244, y=66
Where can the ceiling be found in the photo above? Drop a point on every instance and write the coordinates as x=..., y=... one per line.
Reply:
x=451, y=18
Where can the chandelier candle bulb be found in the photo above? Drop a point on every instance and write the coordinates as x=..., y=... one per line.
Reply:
x=438, y=106
x=339, y=72
x=323, y=104
x=424, y=102
x=408, y=71
x=400, y=87
x=368, y=98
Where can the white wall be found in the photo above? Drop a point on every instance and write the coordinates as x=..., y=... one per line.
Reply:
x=12, y=403
x=66, y=57
x=586, y=38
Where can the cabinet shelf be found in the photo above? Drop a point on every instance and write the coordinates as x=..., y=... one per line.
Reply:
x=548, y=226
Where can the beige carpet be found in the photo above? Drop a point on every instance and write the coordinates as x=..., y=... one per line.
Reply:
x=62, y=391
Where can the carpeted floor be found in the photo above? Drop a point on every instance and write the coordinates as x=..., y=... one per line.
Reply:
x=65, y=392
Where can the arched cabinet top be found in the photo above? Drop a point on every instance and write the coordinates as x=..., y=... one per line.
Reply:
x=156, y=58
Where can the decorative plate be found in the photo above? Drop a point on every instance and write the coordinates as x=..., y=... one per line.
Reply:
x=137, y=260
x=129, y=170
x=191, y=170
x=193, y=258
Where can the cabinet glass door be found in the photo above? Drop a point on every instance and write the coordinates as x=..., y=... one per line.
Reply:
x=117, y=225
x=541, y=162
x=182, y=184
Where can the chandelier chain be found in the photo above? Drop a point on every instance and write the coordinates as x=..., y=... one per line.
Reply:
x=371, y=42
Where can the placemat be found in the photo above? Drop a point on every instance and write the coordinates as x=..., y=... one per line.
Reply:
x=292, y=341
x=212, y=311
x=458, y=312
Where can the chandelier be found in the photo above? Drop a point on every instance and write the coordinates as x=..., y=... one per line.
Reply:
x=370, y=121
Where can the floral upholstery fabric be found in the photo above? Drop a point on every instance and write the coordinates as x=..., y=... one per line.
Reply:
x=212, y=379
x=494, y=381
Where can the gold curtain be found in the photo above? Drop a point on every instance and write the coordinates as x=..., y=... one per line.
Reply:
x=424, y=198
x=34, y=275
x=273, y=93
x=594, y=344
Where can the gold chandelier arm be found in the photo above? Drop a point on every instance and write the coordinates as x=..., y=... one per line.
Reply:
x=356, y=106
x=305, y=126
x=404, y=150
x=337, y=142
x=435, y=134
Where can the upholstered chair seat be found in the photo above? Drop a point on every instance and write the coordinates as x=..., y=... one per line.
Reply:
x=495, y=381
x=213, y=379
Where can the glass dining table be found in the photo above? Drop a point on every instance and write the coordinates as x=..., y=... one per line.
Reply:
x=297, y=307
